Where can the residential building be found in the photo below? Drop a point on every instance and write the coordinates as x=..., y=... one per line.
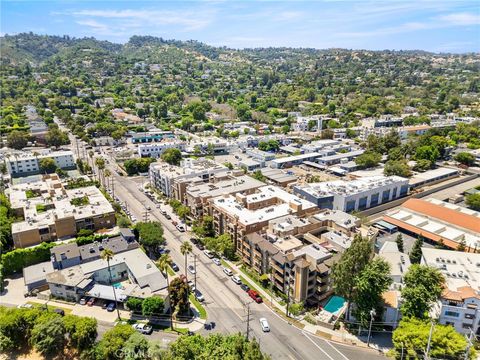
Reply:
x=359, y=194
x=155, y=150
x=438, y=221
x=152, y=136
x=330, y=160
x=289, y=161
x=279, y=177
x=28, y=163
x=50, y=211
x=459, y=304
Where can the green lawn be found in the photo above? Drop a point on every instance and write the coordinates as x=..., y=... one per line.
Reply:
x=170, y=271
x=198, y=306
x=50, y=307
x=225, y=264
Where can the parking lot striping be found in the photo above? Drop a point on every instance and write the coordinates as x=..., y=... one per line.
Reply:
x=334, y=348
x=314, y=343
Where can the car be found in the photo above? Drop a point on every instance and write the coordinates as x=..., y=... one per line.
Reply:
x=208, y=253
x=199, y=296
x=60, y=312
x=163, y=212
x=25, y=306
x=200, y=246
x=191, y=269
x=111, y=307
x=83, y=301
x=236, y=279
x=175, y=267
x=157, y=206
x=255, y=296
x=149, y=208
x=264, y=325
x=134, y=219
x=143, y=328
x=191, y=284
x=168, y=217
x=174, y=222
x=217, y=261
x=194, y=240
x=90, y=302
x=227, y=271
x=245, y=287
x=181, y=228
x=104, y=304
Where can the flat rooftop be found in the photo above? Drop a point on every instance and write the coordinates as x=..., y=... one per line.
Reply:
x=229, y=186
x=432, y=175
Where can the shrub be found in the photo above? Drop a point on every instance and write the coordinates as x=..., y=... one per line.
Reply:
x=134, y=304
x=15, y=260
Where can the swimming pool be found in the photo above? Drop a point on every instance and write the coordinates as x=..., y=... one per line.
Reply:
x=335, y=304
x=117, y=285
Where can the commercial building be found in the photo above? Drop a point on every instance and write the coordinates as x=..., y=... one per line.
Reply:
x=359, y=194
x=28, y=163
x=156, y=150
x=330, y=160
x=259, y=155
x=278, y=177
x=438, y=221
x=459, y=304
x=247, y=212
x=151, y=136
x=431, y=177
x=50, y=212
x=290, y=161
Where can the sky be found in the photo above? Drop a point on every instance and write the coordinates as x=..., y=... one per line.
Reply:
x=436, y=25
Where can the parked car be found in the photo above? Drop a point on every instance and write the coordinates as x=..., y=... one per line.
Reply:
x=227, y=271
x=255, y=296
x=104, y=304
x=199, y=296
x=90, y=302
x=168, y=217
x=174, y=222
x=83, y=301
x=194, y=241
x=217, y=261
x=181, y=228
x=143, y=328
x=175, y=267
x=200, y=246
x=245, y=287
x=264, y=325
x=236, y=279
x=191, y=284
x=191, y=269
x=158, y=206
x=111, y=307
x=148, y=208
x=208, y=253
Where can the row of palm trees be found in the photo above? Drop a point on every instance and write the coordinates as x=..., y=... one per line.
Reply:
x=163, y=263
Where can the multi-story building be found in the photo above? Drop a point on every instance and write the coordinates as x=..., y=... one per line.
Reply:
x=50, y=212
x=459, y=304
x=245, y=213
x=155, y=150
x=28, y=163
x=353, y=195
x=152, y=136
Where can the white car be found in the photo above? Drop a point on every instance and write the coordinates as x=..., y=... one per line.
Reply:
x=227, y=271
x=192, y=285
x=143, y=328
x=208, y=253
x=264, y=325
x=236, y=280
x=217, y=261
x=181, y=228
x=191, y=269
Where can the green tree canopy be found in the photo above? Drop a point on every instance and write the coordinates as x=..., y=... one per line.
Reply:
x=473, y=201
x=172, y=156
x=17, y=139
x=368, y=160
x=48, y=334
x=465, y=158
x=153, y=305
x=47, y=165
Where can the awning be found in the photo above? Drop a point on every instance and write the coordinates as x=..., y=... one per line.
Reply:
x=105, y=292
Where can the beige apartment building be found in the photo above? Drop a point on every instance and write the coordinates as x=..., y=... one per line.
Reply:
x=50, y=211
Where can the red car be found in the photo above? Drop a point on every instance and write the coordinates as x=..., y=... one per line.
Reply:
x=91, y=301
x=255, y=296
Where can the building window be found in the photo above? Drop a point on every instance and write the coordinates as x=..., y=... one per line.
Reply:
x=386, y=195
x=452, y=313
x=466, y=326
x=362, y=203
x=469, y=316
x=374, y=199
x=350, y=206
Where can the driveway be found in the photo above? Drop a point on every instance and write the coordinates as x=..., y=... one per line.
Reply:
x=14, y=290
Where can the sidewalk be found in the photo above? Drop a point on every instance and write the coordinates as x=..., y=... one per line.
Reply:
x=317, y=330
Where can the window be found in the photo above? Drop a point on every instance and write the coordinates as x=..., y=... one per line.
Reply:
x=469, y=316
x=386, y=195
x=452, y=313
x=374, y=199
x=362, y=203
x=466, y=326
x=350, y=205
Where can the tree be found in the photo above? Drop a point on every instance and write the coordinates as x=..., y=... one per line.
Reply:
x=82, y=331
x=398, y=168
x=17, y=139
x=110, y=347
x=150, y=235
x=422, y=165
x=179, y=291
x=427, y=152
x=465, y=158
x=48, y=334
x=221, y=244
x=100, y=164
x=416, y=252
x=107, y=255
x=411, y=337
x=183, y=212
x=368, y=160
x=172, y=156
x=134, y=304
x=399, y=241
x=163, y=263
x=185, y=249
x=296, y=308
x=55, y=137
x=153, y=305
x=353, y=261
x=462, y=245
x=257, y=175
x=135, y=347
x=473, y=201
x=370, y=284
x=47, y=165
x=423, y=286
x=270, y=145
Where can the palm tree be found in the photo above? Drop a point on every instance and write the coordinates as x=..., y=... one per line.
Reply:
x=90, y=155
x=185, y=249
x=183, y=211
x=107, y=174
x=107, y=255
x=163, y=263
x=100, y=166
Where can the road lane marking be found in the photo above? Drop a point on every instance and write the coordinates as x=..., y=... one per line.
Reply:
x=334, y=348
x=319, y=348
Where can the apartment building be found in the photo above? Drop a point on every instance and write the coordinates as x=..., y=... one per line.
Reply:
x=51, y=212
x=173, y=180
x=28, y=163
x=155, y=150
x=247, y=212
x=359, y=194
x=459, y=304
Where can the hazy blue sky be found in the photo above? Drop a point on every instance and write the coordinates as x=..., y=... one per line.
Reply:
x=448, y=26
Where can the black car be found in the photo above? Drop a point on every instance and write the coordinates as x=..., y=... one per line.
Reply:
x=244, y=287
x=175, y=267
x=200, y=246
x=168, y=217
x=194, y=240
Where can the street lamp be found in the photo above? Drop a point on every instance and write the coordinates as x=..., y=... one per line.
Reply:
x=372, y=314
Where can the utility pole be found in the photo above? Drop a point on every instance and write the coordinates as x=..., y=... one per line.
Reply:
x=429, y=339
x=372, y=314
x=248, y=320
x=113, y=188
x=195, y=270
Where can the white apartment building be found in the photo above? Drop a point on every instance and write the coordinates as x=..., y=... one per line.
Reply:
x=28, y=163
x=155, y=150
x=359, y=194
x=459, y=304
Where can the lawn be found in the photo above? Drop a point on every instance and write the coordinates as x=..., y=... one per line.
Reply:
x=50, y=307
x=225, y=264
x=198, y=306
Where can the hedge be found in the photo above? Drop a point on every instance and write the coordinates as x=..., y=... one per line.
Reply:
x=15, y=260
